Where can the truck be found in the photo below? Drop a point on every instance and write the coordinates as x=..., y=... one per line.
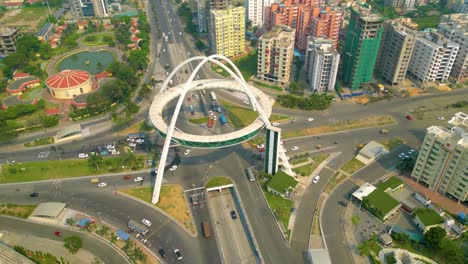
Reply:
x=166, y=38
x=384, y=131
x=137, y=227
x=223, y=120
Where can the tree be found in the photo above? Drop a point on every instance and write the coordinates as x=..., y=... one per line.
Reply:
x=73, y=243
x=450, y=250
x=70, y=221
x=434, y=236
x=94, y=161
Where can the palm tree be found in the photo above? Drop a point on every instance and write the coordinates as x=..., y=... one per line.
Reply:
x=94, y=161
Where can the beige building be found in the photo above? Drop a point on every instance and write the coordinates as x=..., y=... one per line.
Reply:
x=442, y=163
x=275, y=55
x=321, y=64
x=69, y=83
x=9, y=36
x=227, y=31
x=455, y=28
x=395, y=51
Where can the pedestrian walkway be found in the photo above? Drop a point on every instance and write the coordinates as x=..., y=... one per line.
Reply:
x=350, y=237
x=46, y=245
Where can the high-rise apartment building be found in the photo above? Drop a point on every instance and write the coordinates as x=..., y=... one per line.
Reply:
x=395, y=51
x=318, y=22
x=89, y=8
x=455, y=28
x=361, y=46
x=458, y=6
x=256, y=10
x=321, y=64
x=393, y=3
x=218, y=4
x=433, y=58
x=9, y=36
x=275, y=55
x=227, y=31
x=442, y=163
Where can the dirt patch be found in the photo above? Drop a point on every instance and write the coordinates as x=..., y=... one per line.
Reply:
x=363, y=99
x=413, y=91
x=132, y=129
x=27, y=17
x=22, y=211
x=444, y=88
x=172, y=200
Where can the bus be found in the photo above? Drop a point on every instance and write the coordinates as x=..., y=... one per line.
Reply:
x=210, y=122
x=213, y=96
x=206, y=229
x=223, y=120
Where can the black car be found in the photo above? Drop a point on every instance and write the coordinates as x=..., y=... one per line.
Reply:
x=34, y=194
x=162, y=253
x=343, y=203
x=233, y=214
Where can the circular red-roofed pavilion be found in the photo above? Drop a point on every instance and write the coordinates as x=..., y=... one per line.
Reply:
x=69, y=83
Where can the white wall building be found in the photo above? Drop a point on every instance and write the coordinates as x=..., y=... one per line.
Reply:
x=455, y=28
x=433, y=58
x=255, y=11
x=321, y=63
x=409, y=3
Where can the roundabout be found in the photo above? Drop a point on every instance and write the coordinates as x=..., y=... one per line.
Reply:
x=259, y=101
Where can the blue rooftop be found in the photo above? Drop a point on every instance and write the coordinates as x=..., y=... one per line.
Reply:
x=123, y=235
x=84, y=222
x=44, y=29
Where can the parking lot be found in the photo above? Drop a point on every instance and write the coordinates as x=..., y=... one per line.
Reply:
x=232, y=239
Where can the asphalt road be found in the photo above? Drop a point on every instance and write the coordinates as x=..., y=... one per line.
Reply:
x=97, y=247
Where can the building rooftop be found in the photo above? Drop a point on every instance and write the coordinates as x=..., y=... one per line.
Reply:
x=68, y=79
x=435, y=39
x=321, y=45
x=457, y=134
x=283, y=34
x=281, y=182
x=7, y=31
x=382, y=201
x=366, y=13
x=48, y=210
x=363, y=191
x=429, y=217
x=392, y=183
x=372, y=149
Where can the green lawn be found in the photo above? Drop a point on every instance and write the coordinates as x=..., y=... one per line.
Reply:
x=247, y=66
x=22, y=211
x=218, y=181
x=390, y=259
x=427, y=21
x=99, y=39
x=298, y=161
x=199, y=121
x=269, y=86
x=281, y=182
x=352, y=166
x=239, y=116
x=33, y=93
x=428, y=216
x=280, y=206
x=355, y=219
x=39, y=142
x=275, y=118
x=392, y=143
x=392, y=182
x=304, y=170
x=55, y=169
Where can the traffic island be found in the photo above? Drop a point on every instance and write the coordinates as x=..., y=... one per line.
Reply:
x=22, y=211
x=172, y=202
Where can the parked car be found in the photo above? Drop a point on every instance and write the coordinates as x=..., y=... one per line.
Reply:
x=82, y=155
x=316, y=179
x=178, y=254
x=138, y=179
x=310, y=119
x=409, y=117
x=187, y=152
x=294, y=148
x=102, y=184
x=146, y=222
x=233, y=215
x=58, y=233
x=127, y=177
x=34, y=194
x=162, y=253
x=343, y=203
x=173, y=168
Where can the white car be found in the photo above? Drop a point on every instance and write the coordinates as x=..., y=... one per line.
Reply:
x=275, y=124
x=146, y=222
x=82, y=155
x=132, y=145
x=102, y=184
x=246, y=102
x=187, y=152
x=316, y=179
x=261, y=146
x=180, y=33
x=294, y=148
x=178, y=254
x=310, y=119
x=138, y=179
x=173, y=168
x=411, y=151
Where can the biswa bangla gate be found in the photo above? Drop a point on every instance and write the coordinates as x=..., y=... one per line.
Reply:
x=260, y=103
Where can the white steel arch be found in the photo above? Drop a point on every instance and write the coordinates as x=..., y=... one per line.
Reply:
x=188, y=85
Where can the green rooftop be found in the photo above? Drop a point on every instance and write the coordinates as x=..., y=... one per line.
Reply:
x=281, y=182
x=392, y=183
x=382, y=201
x=428, y=217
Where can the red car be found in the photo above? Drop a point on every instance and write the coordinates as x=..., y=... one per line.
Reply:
x=57, y=233
x=409, y=117
x=127, y=177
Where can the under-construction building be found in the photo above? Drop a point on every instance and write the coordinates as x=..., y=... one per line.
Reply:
x=361, y=46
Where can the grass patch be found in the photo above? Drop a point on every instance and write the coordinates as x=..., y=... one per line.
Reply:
x=199, y=121
x=171, y=200
x=269, y=86
x=352, y=166
x=355, y=219
x=427, y=21
x=22, y=211
x=98, y=39
x=247, y=66
x=298, y=161
x=392, y=183
x=390, y=258
x=339, y=177
x=33, y=93
x=218, y=181
x=281, y=207
x=135, y=128
x=39, y=142
x=56, y=169
x=304, y=170
x=275, y=118
x=392, y=143
x=379, y=203
x=239, y=117
x=341, y=126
